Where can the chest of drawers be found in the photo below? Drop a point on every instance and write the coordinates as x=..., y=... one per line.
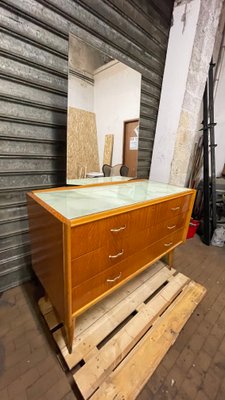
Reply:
x=86, y=242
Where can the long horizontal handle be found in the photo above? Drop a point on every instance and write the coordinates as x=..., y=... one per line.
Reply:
x=118, y=229
x=175, y=208
x=117, y=255
x=114, y=279
x=168, y=244
x=171, y=227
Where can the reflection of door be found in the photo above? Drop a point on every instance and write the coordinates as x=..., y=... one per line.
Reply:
x=130, y=146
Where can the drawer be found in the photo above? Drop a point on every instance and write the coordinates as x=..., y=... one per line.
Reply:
x=90, y=290
x=156, y=232
x=170, y=225
x=95, y=262
x=171, y=208
x=167, y=243
x=90, y=236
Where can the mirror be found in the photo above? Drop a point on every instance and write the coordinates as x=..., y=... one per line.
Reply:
x=103, y=112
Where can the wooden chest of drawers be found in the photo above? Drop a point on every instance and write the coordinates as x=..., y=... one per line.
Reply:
x=86, y=242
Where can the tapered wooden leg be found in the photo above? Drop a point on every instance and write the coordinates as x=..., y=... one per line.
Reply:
x=69, y=335
x=168, y=259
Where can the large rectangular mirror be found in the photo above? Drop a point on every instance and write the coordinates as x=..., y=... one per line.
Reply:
x=103, y=112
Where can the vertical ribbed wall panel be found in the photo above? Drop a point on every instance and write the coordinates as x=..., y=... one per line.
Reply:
x=33, y=96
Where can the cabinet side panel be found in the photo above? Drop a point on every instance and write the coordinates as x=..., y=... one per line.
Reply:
x=191, y=205
x=46, y=233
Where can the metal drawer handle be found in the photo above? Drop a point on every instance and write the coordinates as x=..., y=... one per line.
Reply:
x=114, y=279
x=168, y=244
x=117, y=255
x=175, y=208
x=118, y=229
x=171, y=227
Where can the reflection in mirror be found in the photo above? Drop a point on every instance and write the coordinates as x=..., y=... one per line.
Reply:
x=103, y=112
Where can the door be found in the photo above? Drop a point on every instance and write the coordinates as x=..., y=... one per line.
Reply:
x=130, y=146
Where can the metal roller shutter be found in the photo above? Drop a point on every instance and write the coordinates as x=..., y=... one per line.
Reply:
x=33, y=96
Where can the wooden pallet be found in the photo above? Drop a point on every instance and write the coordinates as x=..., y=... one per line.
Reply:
x=121, y=340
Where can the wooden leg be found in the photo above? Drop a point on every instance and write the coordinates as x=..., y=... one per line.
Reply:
x=168, y=259
x=69, y=335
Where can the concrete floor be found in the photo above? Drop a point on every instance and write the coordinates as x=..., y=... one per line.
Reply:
x=193, y=369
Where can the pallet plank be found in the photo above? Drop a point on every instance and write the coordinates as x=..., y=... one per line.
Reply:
x=96, y=332
x=97, y=311
x=48, y=313
x=94, y=372
x=85, y=320
x=115, y=337
x=45, y=306
x=52, y=320
x=126, y=382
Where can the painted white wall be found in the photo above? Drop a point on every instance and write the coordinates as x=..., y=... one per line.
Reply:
x=80, y=94
x=219, y=106
x=178, y=58
x=117, y=92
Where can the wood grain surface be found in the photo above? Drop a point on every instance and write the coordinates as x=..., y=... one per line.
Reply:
x=47, y=246
x=120, y=247
x=94, y=289
x=138, y=322
x=108, y=149
x=81, y=261
x=82, y=145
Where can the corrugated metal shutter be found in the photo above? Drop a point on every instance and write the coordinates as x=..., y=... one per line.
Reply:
x=33, y=90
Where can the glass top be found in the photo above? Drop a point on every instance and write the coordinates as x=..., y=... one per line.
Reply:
x=93, y=181
x=75, y=203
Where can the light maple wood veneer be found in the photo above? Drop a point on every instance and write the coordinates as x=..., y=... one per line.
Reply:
x=86, y=242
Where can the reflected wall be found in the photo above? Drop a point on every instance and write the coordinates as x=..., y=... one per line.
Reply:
x=103, y=94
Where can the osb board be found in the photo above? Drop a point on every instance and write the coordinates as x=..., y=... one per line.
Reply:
x=114, y=339
x=108, y=149
x=82, y=144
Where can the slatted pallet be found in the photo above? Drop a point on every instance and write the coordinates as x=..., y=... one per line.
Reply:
x=121, y=340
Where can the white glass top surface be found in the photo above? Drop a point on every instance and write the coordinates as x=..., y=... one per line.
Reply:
x=93, y=181
x=75, y=203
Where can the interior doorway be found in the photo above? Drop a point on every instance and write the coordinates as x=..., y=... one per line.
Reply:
x=130, y=146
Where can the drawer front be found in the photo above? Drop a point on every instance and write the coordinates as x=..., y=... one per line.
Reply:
x=88, y=237
x=171, y=208
x=95, y=262
x=153, y=234
x=170, y=225
x=105, y=281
